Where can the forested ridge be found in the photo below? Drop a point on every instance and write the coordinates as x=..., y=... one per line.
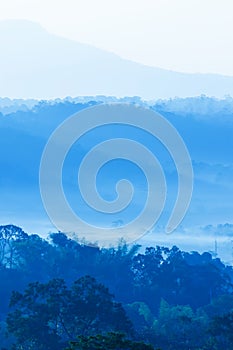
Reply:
x=59, y=293
x=205, y=124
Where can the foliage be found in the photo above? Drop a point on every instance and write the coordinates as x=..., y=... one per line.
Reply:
x=222, y=331
x=108, y=341
x=48, y=315
x=174, y=299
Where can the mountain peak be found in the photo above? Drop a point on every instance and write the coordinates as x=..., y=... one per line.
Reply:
x=37, y=64
x=21, y=25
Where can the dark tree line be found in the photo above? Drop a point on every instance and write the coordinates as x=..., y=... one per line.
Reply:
x=59, y=290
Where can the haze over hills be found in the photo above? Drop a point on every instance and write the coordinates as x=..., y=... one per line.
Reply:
x=208, y=136
x=37, y=64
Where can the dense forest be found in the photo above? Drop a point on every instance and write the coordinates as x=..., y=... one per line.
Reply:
x=59, y=293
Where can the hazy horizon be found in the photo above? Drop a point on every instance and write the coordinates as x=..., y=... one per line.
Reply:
x=37, y=64
x=196, y=35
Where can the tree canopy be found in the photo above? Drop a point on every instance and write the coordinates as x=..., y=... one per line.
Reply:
x=58, y=290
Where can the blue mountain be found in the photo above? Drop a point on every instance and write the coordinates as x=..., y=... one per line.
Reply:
x=37, y=64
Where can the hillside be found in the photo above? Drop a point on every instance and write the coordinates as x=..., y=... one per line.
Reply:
x=42, y=65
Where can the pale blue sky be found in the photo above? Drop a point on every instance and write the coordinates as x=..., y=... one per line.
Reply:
x=182, y=35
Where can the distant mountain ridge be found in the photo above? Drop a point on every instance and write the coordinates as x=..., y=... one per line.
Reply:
x=208, y=137
x=37, y=64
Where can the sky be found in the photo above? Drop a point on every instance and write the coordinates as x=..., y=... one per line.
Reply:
x=182, y=35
